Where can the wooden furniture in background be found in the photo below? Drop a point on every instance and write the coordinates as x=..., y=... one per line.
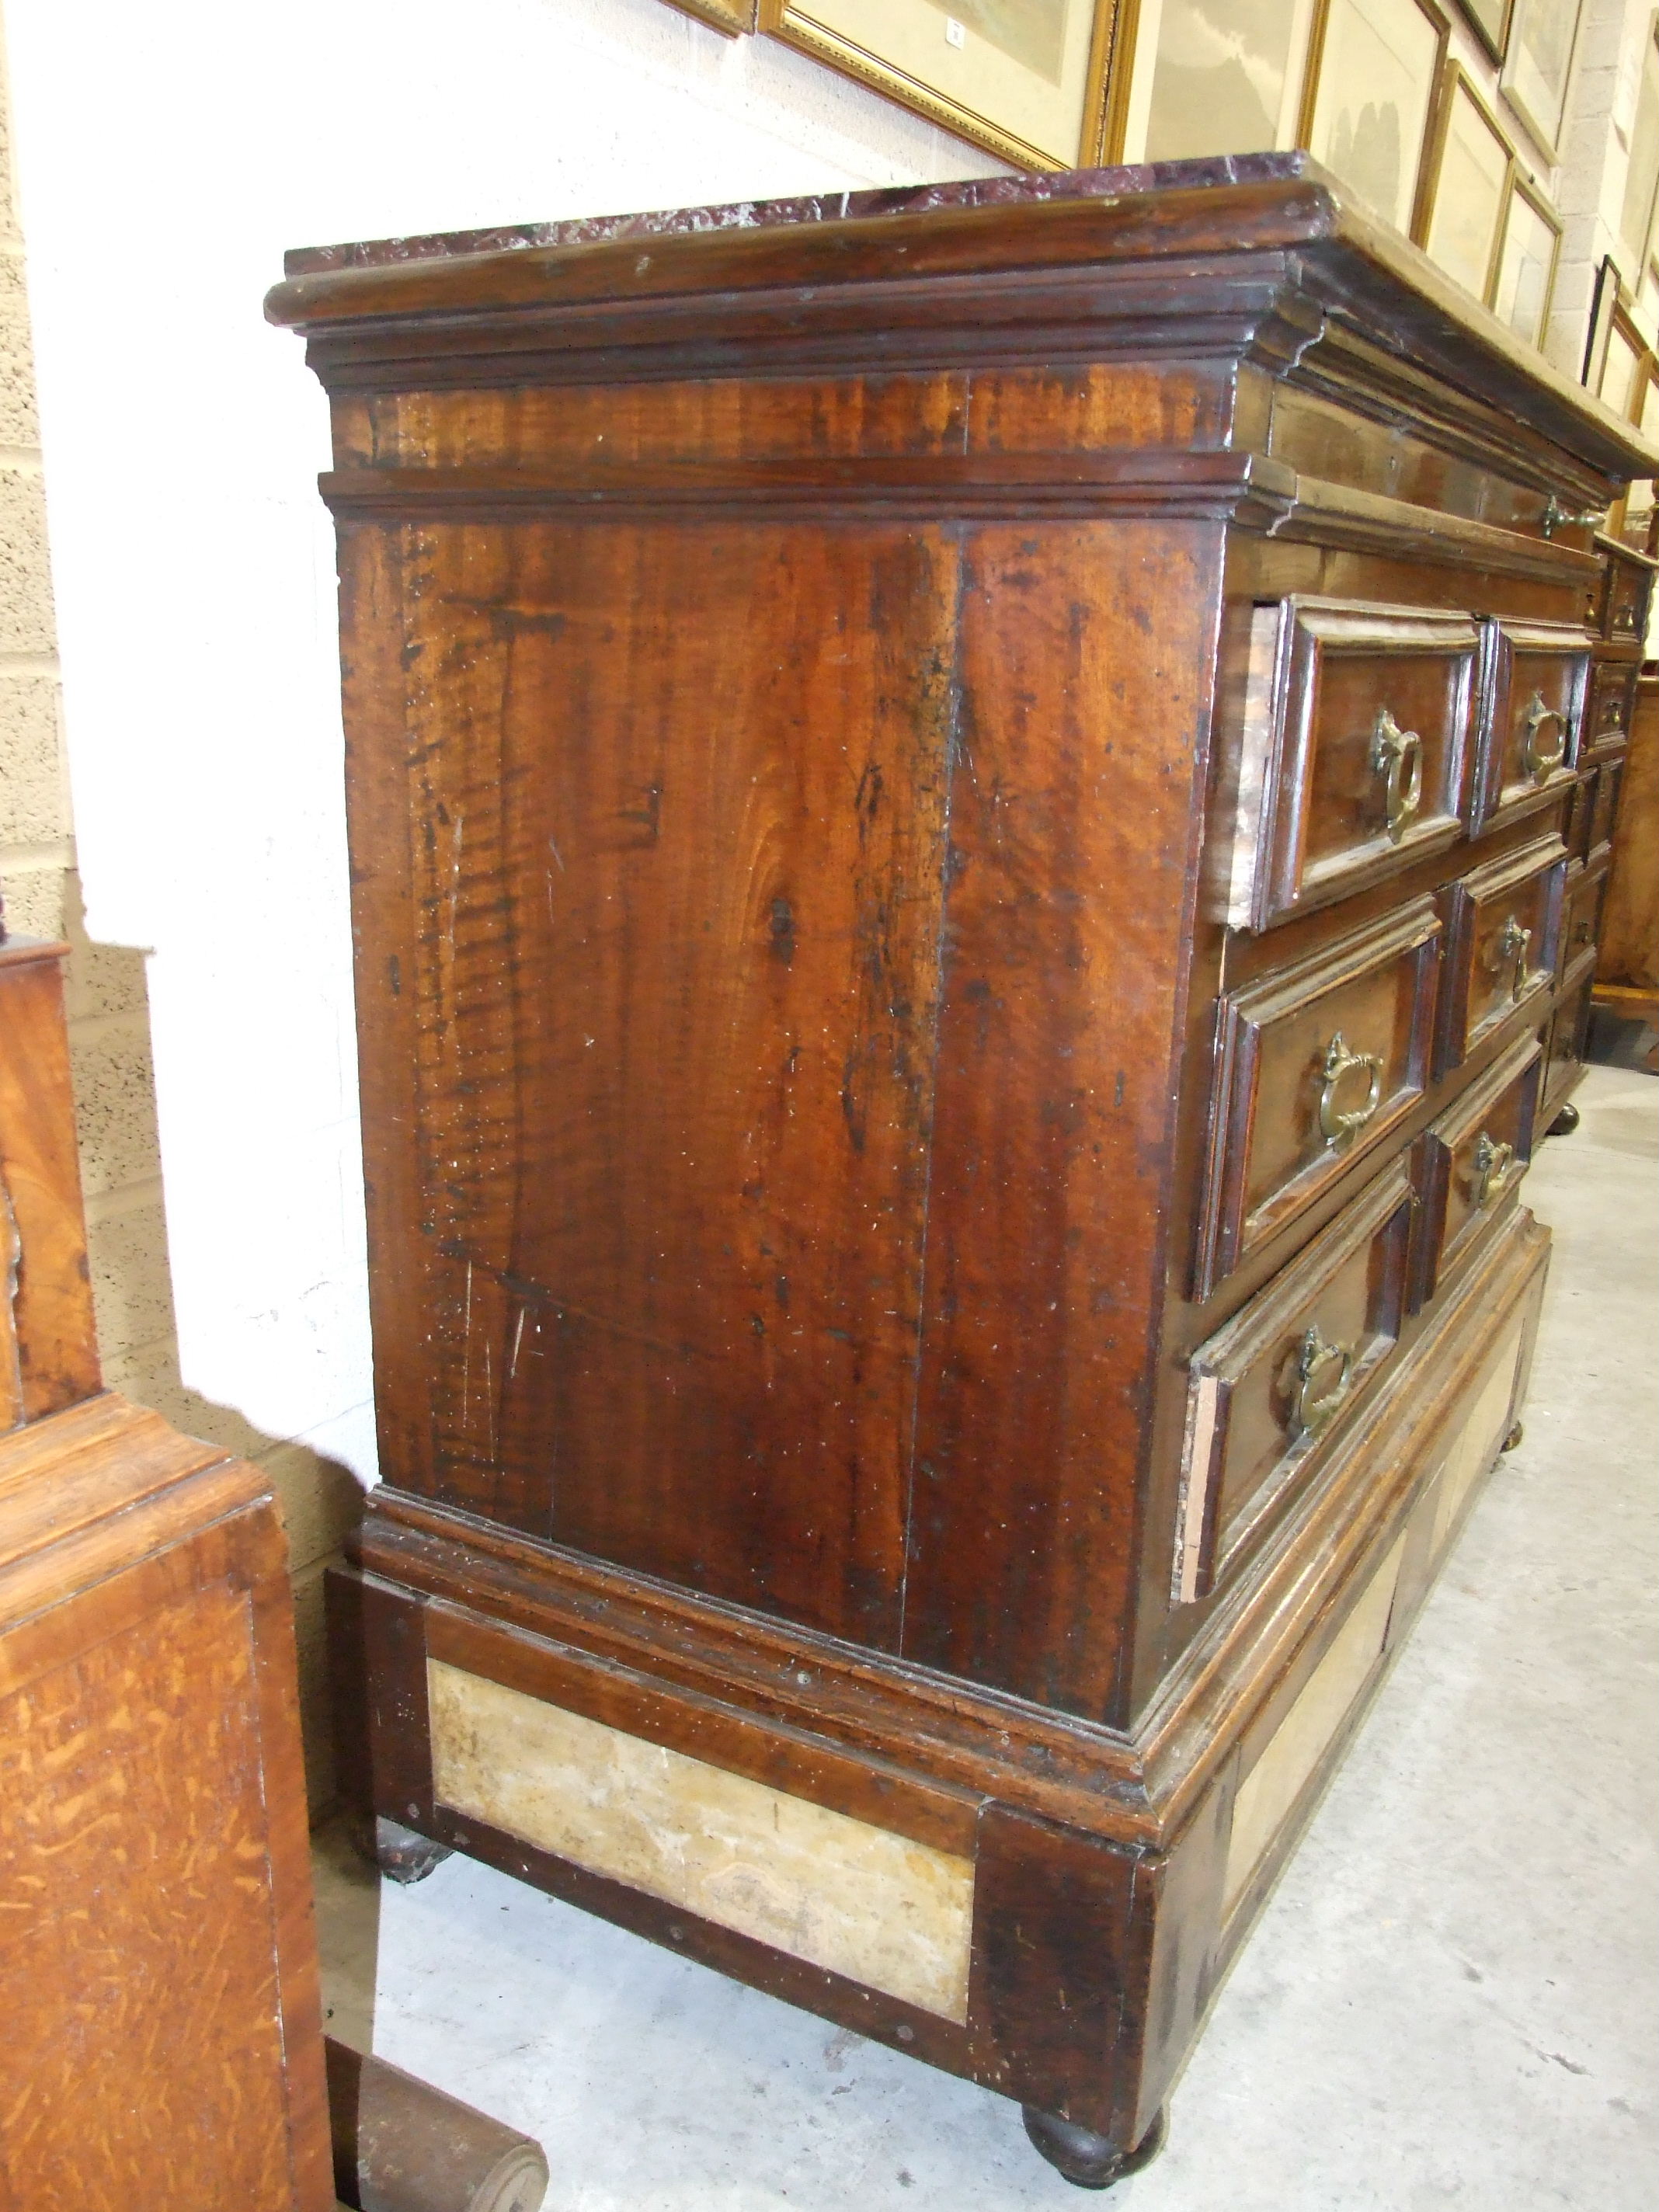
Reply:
x=158, y=1973
x=1627, y=970
x=957, y=810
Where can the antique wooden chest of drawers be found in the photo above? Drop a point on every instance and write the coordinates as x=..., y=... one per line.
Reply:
x=962, y=814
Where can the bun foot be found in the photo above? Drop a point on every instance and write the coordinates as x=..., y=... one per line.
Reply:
x=1564, y=1123
x=1090, y=2160
x=1513, y=1438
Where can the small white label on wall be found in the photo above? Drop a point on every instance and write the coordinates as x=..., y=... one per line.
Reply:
x=956, y=35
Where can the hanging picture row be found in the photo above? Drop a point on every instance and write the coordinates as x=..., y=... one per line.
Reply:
x=1366, y=85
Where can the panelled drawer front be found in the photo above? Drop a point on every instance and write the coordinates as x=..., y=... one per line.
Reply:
x=1604, y=810
x=1282, y=1379
x=1625, y=603
x=1502, y=930
x=1586, y=895
x=1316, y=1064
x=1474, y=1155
x=1612, y=702
x=1537, y=678
x=1357, y=750
x=1580, y=808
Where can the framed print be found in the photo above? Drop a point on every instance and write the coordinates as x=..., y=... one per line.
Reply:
x=1215, y=77
x=1641, y=171
x=1539, y=66
x=1490, y=21
x=1374, y=69
x=732, y=16
x=1609, y=289
x=1026, y=78
x=1622, y=365
x=1466, y=186
x=1526, y=262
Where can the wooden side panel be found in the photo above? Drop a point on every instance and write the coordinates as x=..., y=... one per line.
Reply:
x=1630, y=922
x=141, y=1930
x=678, y=797
x=1074, y=806
x=48, y=1348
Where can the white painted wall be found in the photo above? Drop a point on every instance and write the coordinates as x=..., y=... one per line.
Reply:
x=168, y=155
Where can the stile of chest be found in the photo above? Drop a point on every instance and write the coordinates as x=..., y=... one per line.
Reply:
x=970, y=824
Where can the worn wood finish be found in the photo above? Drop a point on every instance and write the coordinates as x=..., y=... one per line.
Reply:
x=159, y=1978
x=962, y=807
x=48, y=1346
x=1629, y=925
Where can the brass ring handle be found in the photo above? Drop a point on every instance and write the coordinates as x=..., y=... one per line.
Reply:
x=1614, y=716
x=1493, y=1170
x=1511, y=946
x=1311, y=1409
x=1398, y=753
x=1539, y=764
x=1338, y=1127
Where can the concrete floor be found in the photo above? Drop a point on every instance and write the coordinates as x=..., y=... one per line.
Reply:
x=1449, y=1999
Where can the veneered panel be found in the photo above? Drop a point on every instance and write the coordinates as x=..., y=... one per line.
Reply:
x=679, y=798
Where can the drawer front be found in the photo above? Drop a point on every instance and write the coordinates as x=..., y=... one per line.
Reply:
x=1316, y=1065
x=1604, y=810
x=1624, y=599
x=1538, y=676
x=1356, y=752
x=1582, y=928
x=1568, y=1032
x=1581, y=806
x=1474, y=1156
x=1283, y=1379
x=1612, y=702
x=1502, y=928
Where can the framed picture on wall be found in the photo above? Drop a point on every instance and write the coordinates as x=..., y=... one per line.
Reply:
x=1026, y=78
x=1526, y=262
x=1465, y=186
x=1373, y=72
x=1490, y=21
x=1620, y=383
x=1636, y=211
x=1609, y=289
x=1214, y=76
x=732, y=16
x=1539, y=67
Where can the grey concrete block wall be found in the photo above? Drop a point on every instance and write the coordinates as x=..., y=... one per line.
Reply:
x=108, y=1012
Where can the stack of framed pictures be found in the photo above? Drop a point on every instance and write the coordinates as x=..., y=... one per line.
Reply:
x=1481, y=218
x=1622, y=368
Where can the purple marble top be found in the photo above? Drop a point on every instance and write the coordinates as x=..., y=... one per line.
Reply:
x=820, y=207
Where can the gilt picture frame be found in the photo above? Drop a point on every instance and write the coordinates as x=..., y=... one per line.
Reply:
x=1490, y=21
x=737, y=18
x=1208, y=77
x=1465, y=186
x=1373, y=73
x=1026, y=79
x=1538, y=68
x=1527, y=262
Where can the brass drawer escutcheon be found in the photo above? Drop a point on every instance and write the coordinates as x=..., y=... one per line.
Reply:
x=1540, y=765
x=1495, y=1168
x=1311, y=1410
x=1510, y=950
x=1398, y=755
x=1338, y=1127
